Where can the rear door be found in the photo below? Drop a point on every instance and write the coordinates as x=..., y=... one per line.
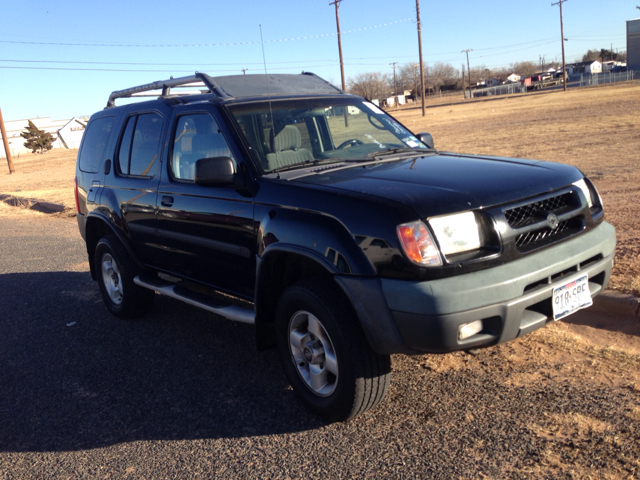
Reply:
x=136, y=174
x=207, y=233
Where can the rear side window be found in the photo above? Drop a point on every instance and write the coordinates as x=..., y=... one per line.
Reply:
x=140, y=145
x=94, y=145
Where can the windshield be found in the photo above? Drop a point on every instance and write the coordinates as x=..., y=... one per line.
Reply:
x=293, y=133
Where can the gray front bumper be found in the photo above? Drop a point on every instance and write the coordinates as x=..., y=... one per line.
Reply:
x=512, y=299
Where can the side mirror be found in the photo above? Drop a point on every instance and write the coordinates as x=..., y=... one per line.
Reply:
x=426, y=138
x=215, y=172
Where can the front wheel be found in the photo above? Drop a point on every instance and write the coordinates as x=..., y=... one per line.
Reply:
x=325, y=354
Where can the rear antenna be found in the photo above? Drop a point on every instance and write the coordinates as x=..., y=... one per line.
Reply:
x=266, y=78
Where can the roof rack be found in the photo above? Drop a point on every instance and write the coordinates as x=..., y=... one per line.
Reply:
x=234, y=86
x=167, y=85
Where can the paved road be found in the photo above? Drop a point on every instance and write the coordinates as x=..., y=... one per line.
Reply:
x=181, y=394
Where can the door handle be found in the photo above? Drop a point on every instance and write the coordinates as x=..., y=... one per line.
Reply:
x=166, y=201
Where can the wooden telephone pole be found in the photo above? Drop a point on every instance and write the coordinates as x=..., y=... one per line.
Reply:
x=564, y=65
x=469, y=69
x=420, y=50
x=336, y=3
x=395, y=85
x=5, y=141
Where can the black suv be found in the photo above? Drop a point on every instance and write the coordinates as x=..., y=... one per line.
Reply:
x=283, y=202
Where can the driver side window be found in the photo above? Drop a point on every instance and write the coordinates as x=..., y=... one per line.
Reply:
x=197, y=136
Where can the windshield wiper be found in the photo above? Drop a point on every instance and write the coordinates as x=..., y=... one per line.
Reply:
x=398, y=151
x=306, y=163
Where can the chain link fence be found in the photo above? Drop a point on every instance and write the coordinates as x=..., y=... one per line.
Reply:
x=499, y=90
x=602, y=78
x=578, y=80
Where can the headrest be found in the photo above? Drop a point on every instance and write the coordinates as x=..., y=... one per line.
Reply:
x=288, y=139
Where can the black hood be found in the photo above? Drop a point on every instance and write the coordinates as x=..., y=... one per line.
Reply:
x=446, y=183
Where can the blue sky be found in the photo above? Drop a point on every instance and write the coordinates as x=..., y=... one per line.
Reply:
x=48, y=83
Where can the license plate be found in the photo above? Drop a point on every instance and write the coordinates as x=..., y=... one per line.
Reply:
x=570, y=297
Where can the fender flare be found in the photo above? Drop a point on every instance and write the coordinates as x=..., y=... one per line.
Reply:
x=104, y=220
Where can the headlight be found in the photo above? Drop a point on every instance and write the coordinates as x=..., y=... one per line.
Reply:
x=418, y=244
x=581, y=184
x=456, y=233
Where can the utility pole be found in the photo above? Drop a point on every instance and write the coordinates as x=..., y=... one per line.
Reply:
x=244, y=71
x=420, y=50
x=469, y=68
x=336, y=3
x=395, y=87
x=5, y=141
x=564, y=65
x=464, y=82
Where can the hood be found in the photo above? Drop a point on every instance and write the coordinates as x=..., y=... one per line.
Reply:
x=446, y=183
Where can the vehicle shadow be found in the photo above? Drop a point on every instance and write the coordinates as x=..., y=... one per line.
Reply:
x=605, y=321
x=74, y=377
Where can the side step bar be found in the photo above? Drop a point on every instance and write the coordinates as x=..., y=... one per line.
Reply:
x=228, y=311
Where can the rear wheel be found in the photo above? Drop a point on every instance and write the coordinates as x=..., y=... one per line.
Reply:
x=116, y=272
x=325, y=354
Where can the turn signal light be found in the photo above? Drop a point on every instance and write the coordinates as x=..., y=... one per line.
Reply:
x=418, y=245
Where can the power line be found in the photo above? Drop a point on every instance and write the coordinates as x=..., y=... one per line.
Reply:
x=158, y=64
x=224, y=44
x=139, y=71
x=534, y=44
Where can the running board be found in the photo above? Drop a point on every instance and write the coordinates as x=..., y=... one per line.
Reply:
x=228, y=311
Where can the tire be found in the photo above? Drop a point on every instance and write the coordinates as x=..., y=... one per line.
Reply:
x=325, y=354
x=115, y=272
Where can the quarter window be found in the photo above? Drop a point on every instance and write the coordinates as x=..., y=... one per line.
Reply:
x=197, y=136
x=94, y=144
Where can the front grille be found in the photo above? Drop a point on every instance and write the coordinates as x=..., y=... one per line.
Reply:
x=534, y=212
x=543, y=236
x=537, y=235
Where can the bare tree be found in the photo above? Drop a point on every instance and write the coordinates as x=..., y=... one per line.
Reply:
x=410, y=78
x=441, y=73
x=479, y=74
x=370, y=85
x=526, y=69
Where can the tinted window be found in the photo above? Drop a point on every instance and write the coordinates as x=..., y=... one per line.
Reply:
x=140, y=145
x=197, y=136
x=124, y=152
x=94, y=144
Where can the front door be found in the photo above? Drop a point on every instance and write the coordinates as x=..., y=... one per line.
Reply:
x=207, y=233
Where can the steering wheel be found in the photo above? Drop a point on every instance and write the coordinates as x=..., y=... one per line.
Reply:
x=350, y=143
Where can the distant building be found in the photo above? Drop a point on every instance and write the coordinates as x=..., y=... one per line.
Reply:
x=491, y=82
x=592, y=66
x=607, y=66
x=514, y=78
x=68, y=133
x=633, y=44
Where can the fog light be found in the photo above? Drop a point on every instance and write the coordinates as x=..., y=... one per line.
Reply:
x=468, y=329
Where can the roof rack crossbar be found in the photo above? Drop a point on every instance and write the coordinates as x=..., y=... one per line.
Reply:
x=213, y=86
x=166, y=85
